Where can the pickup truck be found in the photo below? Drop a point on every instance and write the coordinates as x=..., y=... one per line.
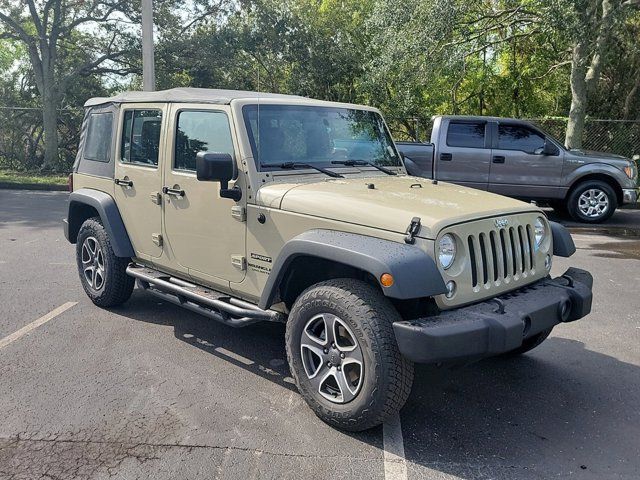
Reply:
x=517, y=159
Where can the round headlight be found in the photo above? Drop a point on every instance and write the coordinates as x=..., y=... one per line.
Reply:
x=540, y=230
x=446, y=251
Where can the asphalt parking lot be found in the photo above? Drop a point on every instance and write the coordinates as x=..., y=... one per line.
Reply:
x=148, y=390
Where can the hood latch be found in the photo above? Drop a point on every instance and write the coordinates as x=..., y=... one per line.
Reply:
x=412, y=231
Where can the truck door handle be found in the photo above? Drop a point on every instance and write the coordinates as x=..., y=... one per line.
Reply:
x=446, y=157
x=498, y=159
x=176, y=192
x=124, y=182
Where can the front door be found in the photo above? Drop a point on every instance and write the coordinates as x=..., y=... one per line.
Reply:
x=138, y=177
x=518, y=167
x=463, y=153
x=205, y=233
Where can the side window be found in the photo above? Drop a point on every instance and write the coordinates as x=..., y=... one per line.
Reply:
x=466, y=134
x=99, y=133
x=141, y=137
x=519, y=137
x=200, y=131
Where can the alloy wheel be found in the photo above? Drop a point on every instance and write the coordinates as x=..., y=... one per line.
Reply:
x=593, y=203
x=93, y=267
x=332, y=358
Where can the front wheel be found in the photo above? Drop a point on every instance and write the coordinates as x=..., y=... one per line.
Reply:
x=343, y=354
x=593, y=201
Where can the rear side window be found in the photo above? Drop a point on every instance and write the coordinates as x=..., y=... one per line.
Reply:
x=519, y=137
x=99, y=133
x=466, y=134
x=141, y=137
x=200, y=131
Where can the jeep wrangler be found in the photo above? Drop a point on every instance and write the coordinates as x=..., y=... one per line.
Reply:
x=252, y=207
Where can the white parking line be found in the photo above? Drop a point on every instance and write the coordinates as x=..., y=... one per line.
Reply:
x=395, y=465
x=35, y=324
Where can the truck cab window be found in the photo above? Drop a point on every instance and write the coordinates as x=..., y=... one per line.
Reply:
x=519, y=137
x=466, y=134
x=141, y=137
x=200, y=131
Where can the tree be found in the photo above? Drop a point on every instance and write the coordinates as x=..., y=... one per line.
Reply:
x=52, y=30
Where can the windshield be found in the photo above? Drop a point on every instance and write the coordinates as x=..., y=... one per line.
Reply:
x=317, y=135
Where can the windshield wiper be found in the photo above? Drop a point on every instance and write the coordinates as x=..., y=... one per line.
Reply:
x=356, y=163
x=298, y=165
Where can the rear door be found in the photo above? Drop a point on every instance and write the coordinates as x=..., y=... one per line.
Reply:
x=518, y=168
x=138, y=176
x=463, y=153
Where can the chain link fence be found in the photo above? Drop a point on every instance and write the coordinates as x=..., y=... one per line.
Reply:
x=22, y=146
x=22, y=138
x=615, y=136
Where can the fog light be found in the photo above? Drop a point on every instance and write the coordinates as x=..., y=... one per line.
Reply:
x=547, y=262
x=451, y=289
x=386, y=279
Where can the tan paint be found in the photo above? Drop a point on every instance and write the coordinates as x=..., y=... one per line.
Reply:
x=200, y=232
x=142, y=217
x=200, y=236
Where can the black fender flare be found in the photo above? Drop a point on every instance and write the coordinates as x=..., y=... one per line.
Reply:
x=107, y=209
x=563, y=245
x=415, y=273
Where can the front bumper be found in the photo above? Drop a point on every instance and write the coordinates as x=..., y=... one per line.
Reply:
x=629, y=195
x=497, y=325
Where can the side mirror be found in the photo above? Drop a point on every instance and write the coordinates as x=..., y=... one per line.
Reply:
x=218, y=167
x=548, y=149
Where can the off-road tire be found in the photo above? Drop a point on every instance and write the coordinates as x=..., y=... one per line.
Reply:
x=118, y=286
x=530, y=343
x=560, y=207
x=574, y=198
x=388, y=376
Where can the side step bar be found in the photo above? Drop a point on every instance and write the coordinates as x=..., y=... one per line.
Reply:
x=215, y=305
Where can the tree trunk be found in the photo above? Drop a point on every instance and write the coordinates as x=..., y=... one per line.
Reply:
x=578, y=110
x=50, y=127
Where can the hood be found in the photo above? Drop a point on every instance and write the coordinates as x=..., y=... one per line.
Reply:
x=597, y=155
x=390, y=204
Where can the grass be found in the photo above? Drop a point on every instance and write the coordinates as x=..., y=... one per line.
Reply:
x=25, y=179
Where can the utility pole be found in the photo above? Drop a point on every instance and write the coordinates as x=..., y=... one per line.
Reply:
x=148, y=61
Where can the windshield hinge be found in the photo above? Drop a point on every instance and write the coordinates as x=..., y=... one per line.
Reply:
x=412, y=230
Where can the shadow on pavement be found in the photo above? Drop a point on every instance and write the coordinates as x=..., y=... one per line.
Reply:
x=32, y=209
x=556, y=410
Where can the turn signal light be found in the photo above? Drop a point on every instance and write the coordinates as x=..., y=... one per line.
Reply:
x=386, y=279
x=70, y=183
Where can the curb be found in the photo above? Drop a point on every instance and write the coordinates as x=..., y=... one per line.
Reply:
x=33, y=186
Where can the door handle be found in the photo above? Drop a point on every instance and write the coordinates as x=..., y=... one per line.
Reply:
x=498, y=159
x=176, y=192
x=446, y=157
x=124, y=182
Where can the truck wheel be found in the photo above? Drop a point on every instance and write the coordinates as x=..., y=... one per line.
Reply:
x=343, y=354
x=530, y=343
x=593, y=201
x=103, y=275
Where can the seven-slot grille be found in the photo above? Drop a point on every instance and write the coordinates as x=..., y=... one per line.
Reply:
x=501, y=254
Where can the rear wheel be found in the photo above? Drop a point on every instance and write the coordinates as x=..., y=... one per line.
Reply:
x=593, y=201
x=103, y=275
x=343, y=354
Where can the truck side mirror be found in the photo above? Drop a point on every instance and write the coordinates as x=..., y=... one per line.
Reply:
x=548, y=149
x=218, y=167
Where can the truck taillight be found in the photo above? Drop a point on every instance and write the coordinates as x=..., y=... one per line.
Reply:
x=70, y=182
